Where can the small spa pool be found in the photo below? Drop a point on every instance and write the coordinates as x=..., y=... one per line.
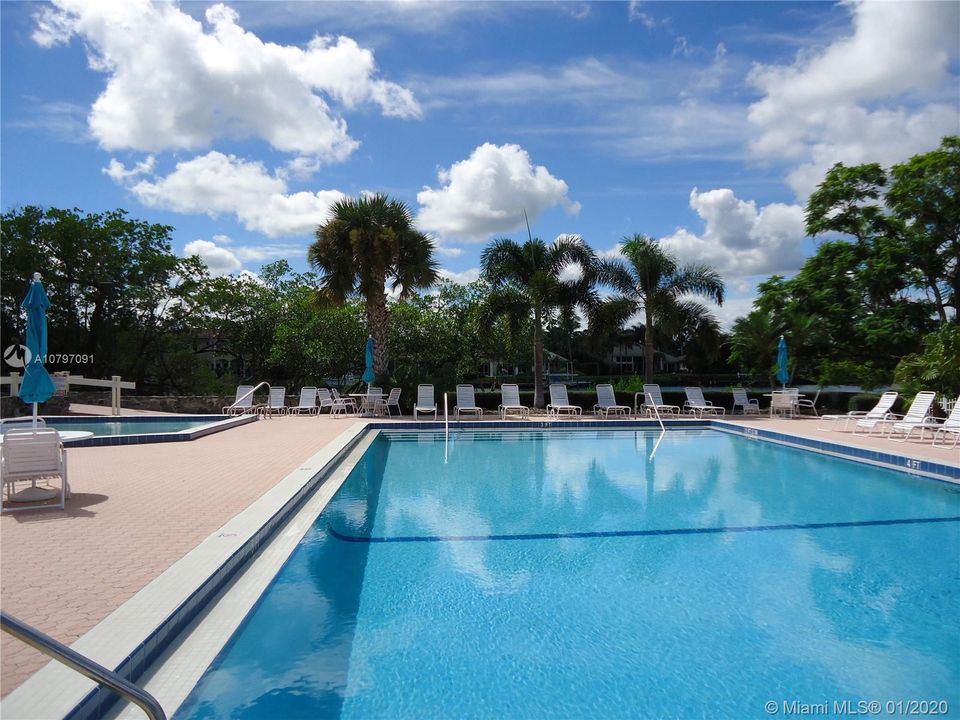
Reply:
x=131, y=430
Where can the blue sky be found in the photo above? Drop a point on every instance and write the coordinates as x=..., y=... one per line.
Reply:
x=705, y=125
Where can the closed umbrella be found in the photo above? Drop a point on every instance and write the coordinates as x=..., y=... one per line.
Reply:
x=37, y=387
x=783, y=374
x=368, y=374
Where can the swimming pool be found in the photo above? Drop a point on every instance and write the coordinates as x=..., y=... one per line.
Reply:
x=128, y=427
x=134, y=430
x=532, y=574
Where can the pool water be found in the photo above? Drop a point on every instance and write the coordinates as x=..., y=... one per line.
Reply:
x=142, y=427
x=562, y=574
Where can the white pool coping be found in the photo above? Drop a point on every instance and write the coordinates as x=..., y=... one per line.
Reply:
x=55, y=690
x=175, y=673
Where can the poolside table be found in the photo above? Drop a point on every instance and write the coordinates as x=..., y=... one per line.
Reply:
x=367, y=404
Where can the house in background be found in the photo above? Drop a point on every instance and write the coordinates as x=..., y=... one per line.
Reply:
x=626, y=358
x=555, y=366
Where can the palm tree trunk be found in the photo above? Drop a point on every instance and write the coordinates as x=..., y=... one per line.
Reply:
x=537, y=361
x=648, y=346
x=377, y=327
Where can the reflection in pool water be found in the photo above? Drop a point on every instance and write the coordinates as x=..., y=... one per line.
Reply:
x=562, y=574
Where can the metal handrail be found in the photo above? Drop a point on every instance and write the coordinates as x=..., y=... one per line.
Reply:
x=249, y=393
x=663, y=431
x=656, y=411
x=83, y=665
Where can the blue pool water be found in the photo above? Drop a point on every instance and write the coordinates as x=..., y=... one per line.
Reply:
x=560, y=574
x=124, y=427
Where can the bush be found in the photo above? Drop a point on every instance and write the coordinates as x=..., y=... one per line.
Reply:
x=936, y=368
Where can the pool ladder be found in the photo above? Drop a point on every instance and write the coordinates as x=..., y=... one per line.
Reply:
x=83, y=665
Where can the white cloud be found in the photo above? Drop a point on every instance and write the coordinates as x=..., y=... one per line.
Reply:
x=731, y=309
x=174, y=83
x=635, y=14
x=426, y=17
x=448, y=251
x=881, y=94
x=488, y=192
x=463, y=278
x=219, y=260
x=739, y=240
x=65, y=121
x=688, y=107
x=225, y=260
x=217, y=184
x=119, y=172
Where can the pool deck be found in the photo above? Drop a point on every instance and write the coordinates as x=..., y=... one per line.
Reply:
x=138, y=509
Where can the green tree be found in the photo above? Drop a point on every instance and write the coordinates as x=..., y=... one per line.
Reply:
x=654, y=282
x=754, y=345
x=367, y=242
x=937, y=367
x=924, y=196
x=527, y=285
x=113, y=283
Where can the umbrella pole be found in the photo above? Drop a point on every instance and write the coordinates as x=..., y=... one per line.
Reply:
x=35, y=416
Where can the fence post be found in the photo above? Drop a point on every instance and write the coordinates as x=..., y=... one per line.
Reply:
x=115, y=392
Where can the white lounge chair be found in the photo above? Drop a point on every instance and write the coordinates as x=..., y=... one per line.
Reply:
x=392, y=400
x=653, y=402
x=33, y=456
x=307, y=402
x=21, y=423
x=350, y=403
x=950, y=426
x=560, y=403
x=879, y=411
x=783, y=402
x=243, y=402
x=425, y=403
x=510, y=402
x=607, y=402
x=697, y=406
x=466, y=402
x=276, y=402
x=917, y=418
x=750, y=406
x=337, y=405
x=805, y=403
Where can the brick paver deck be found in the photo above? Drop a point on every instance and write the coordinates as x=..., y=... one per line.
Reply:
x=137, y=509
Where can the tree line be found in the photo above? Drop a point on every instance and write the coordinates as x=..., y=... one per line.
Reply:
x=876, y=302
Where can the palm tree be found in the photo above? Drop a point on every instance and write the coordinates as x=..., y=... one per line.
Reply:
x=366, y=242
x=652, y=279
x=754, y=344
x=527, y=285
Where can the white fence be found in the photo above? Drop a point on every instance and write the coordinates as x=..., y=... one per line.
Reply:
x=65, y=380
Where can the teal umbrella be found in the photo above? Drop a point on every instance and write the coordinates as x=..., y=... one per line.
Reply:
x=37, y=387
x=783, y=374
x=368, y=360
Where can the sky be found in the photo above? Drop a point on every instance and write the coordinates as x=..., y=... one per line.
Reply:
x=704, y=125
